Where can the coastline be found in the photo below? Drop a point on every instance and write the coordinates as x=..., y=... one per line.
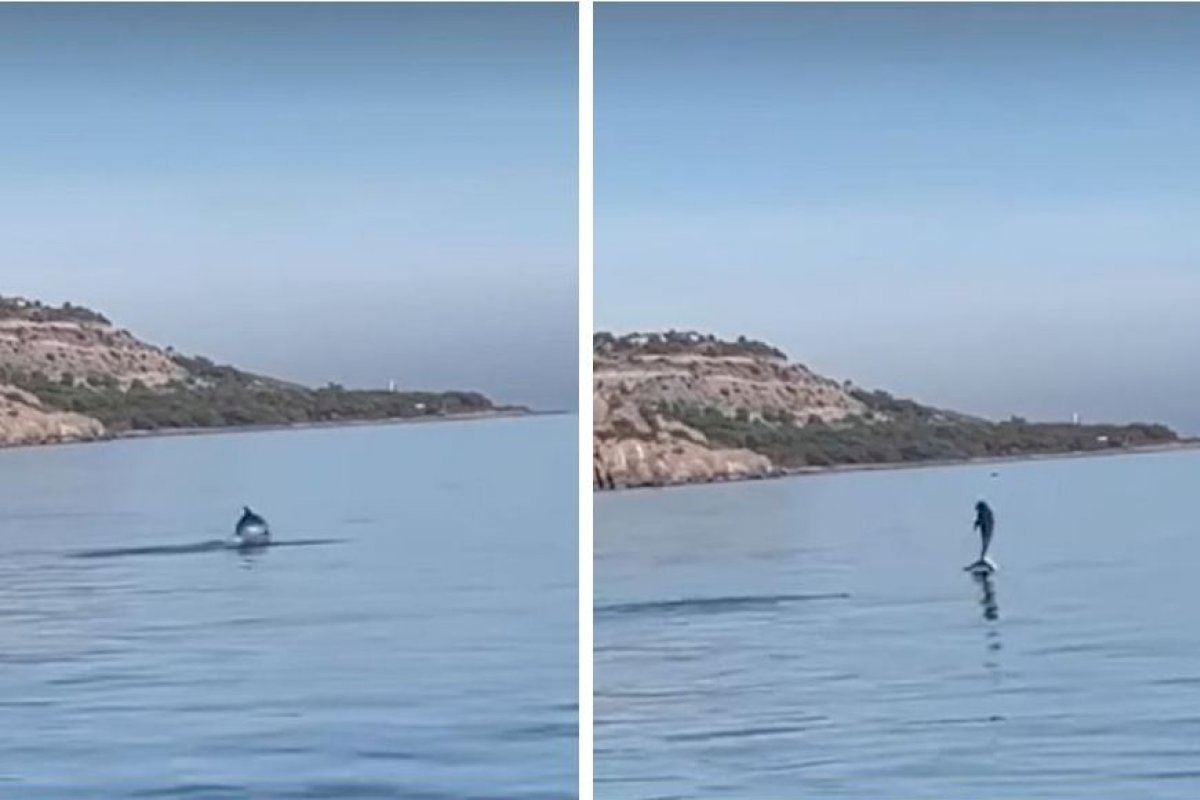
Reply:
x=802, y=472
x=506, y=413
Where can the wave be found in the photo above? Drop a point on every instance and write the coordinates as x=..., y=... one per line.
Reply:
x=198, y=547
x=714, y=604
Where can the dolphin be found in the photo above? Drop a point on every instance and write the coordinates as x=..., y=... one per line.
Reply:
x=985, y=523
x=252, y=530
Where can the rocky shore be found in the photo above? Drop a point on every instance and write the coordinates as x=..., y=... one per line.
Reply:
x=25, y=421
x=638, y=380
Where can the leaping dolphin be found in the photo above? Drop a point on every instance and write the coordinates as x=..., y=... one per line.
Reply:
x=985, y=523
x=252, y=529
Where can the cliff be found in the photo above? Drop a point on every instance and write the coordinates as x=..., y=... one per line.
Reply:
x=642, y=385
x=684, y=407
x=77, y=345
x=68, y=374
x=24, y=420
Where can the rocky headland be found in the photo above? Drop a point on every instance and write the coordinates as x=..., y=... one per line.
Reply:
x=685, y=407
x=68, y=374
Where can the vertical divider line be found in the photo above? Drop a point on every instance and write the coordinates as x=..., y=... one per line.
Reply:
x=586, y=268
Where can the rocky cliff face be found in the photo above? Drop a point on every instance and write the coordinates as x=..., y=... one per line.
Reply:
x=642, y=383
x=632, y=449
x=24, y=420
x=70, y=346
x=79, y=350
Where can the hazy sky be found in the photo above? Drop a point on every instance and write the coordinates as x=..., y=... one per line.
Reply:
x=345, y=193
x=994, y=208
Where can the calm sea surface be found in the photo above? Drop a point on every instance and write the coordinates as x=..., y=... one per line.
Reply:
x=817, y=638
x=427, y=651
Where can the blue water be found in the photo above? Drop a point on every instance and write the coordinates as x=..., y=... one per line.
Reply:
x=816, y=637
x=421, y=644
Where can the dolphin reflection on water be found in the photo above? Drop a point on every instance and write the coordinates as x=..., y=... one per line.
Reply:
x=991, y=610
x=991, y=615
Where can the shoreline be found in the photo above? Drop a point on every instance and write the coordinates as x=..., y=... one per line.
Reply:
x=1183, y=444
x=291, y=426
x=804, y=472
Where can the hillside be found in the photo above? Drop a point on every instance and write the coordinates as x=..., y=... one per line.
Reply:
x=68, y=374
x=686, y=407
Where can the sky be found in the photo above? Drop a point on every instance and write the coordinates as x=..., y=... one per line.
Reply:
x=991, y=208
x=347, y=193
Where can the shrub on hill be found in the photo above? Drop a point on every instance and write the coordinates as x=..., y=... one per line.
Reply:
x=913, y=433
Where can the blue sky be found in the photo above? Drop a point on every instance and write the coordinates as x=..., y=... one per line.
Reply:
x=347, y=193
x=988, y=207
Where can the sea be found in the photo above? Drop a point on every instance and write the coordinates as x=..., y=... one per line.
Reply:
x=818, y=637
x=411, y=633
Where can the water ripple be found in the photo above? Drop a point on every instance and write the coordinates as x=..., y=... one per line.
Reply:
x=713, y=605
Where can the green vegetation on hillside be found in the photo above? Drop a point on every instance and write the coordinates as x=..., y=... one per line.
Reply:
x=675, y=342
x=898, y=431
x=763, y=408
x=36, y=311
x=218, y=396
x=209, y=395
